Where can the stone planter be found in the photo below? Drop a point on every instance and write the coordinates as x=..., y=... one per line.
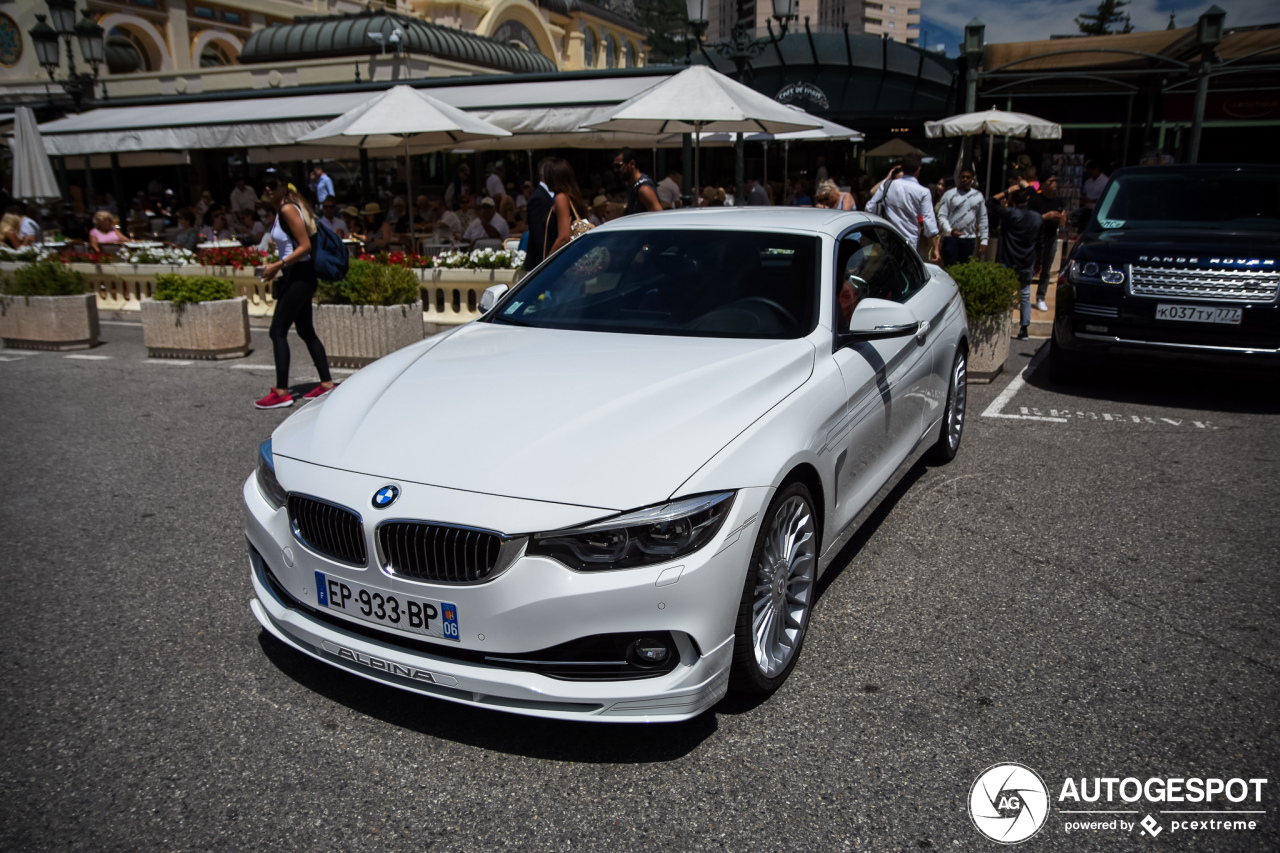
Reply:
x=218, y=329
x=355, y=335
x=49, y=322
x=988, y=347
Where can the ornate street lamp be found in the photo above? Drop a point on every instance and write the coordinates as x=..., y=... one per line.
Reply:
x=742, y=45
x=92, y=47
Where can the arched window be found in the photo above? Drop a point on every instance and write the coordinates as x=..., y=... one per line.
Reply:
x=214, y=55
x=631, y=54
x=125, y=53
x=589, y=48
x=611, y=52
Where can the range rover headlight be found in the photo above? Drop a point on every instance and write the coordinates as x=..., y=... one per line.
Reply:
x=268, y=485
x=640, y=538
x=1073, y=272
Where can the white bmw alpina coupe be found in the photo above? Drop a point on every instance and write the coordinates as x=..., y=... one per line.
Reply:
x=611, y=497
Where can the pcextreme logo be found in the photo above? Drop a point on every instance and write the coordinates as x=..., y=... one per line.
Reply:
x=1009, y=803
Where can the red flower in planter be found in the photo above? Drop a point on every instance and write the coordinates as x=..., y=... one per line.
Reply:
x=238, y=257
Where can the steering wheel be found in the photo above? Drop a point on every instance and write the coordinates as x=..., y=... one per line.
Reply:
x=783, y=315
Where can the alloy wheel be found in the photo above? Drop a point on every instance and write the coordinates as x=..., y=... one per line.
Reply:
x=784, y=587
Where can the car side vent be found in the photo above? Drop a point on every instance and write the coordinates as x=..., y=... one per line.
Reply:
x=328, y=529
x=438, y=553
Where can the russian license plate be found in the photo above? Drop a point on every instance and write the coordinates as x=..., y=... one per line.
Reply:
x=408, y=613
x=1199, y=314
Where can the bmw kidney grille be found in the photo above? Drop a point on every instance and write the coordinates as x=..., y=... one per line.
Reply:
x=438, y=553
x=328, y=529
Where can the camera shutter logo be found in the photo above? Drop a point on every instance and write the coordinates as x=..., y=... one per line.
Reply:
x=1008, y=803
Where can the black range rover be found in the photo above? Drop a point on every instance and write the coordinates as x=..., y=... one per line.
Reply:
x=1176, y=260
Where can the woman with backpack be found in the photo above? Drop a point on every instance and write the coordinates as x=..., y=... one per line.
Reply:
x=293, y=232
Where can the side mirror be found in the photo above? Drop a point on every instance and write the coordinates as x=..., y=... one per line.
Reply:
x=874, y=319
x=490, y=297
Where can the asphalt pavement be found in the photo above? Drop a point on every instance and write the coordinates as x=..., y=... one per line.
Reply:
x=1089, y=589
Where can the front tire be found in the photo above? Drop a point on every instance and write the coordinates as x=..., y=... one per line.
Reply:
x=777, y=597
x=1062, y=369
x=954, y=413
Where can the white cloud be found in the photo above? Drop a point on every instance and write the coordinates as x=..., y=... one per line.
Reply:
x=1033, y=20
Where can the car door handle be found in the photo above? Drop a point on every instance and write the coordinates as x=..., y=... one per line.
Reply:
x=923, y=331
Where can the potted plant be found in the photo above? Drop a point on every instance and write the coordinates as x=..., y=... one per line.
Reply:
x=374, y=311
x=46, y=305
x=989, y=291
x=195, y=316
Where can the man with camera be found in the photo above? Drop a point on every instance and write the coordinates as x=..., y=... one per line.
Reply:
x=904, y=201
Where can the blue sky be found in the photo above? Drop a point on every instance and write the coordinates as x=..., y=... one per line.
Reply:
x=942, y=21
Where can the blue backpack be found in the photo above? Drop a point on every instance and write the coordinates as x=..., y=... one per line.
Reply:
x=328, y=252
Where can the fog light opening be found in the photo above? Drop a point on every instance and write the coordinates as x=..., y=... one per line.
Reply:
x=647, y=653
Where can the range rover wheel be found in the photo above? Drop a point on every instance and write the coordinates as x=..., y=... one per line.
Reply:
x=953, y=416
x=1062, y=370
x=777, y=598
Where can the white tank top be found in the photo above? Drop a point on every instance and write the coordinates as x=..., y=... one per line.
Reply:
x=282, y=238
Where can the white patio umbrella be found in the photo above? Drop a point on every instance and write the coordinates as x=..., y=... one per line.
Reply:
x=994, y=123
x=702, y=100
x=402, y=116
x=32, y=175
x=826, y=131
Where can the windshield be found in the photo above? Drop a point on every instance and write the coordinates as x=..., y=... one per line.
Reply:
x=1208, y=201
x=739, y=284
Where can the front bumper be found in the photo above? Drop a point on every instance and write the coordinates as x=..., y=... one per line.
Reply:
x=1092, y=323
x=535, y=604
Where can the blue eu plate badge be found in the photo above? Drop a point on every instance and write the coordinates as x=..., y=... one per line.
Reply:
x=449, y=617
x=322, y=589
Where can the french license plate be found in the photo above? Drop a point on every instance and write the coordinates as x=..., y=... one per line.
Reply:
x=407, y=613
x=1199, y=314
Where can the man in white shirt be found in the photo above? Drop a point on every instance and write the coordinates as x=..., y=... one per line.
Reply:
x=328, y=215
x=445, y=223
x=906, y=203
x=1094, y=184
x=243, y=197
x=494, y=185
x=489, y=223
x=669, y=190
x=28, y=228
x=962, y=221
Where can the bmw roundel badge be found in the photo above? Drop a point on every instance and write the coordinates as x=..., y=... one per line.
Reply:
x=385, y=497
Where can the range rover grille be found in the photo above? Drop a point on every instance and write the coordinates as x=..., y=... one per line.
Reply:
x=1184, y=283
x=328, y=529
x=438, y=553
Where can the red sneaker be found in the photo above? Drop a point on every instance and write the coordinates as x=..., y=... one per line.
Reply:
x=275, y=401
x=317, y=392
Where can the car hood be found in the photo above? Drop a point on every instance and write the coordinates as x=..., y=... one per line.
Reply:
x=1127, y=245
x=601, y=420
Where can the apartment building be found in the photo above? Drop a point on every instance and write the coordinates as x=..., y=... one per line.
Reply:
x=896, y=19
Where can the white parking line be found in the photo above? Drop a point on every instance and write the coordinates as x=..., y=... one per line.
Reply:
x=996, y=409
x=166, y=361
x=253, y=367
x=89, y=357
x=13, y=358
x=1062, y=416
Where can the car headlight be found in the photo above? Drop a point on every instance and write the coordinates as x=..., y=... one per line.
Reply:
x=1073, y=272
x=640, y=538
x=266, y=475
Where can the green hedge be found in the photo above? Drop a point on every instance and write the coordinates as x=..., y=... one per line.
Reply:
x=369, y=283
x=989, y=289
x=45, y=278
x=173, y=287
